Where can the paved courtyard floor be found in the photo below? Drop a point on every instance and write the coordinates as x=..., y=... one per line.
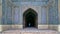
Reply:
x=30, y=31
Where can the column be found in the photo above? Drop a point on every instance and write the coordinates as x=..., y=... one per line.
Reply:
x=21, y=17
x=9, y=15
x=39, y=16
x=53, y=14
x=16, y=15
x=59, y=14
x=0, y=15
x=44, y=15
x=43, y=18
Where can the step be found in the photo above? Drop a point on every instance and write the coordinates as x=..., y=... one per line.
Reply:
x=30, y=31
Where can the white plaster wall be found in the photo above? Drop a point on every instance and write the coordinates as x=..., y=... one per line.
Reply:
x=0, y=15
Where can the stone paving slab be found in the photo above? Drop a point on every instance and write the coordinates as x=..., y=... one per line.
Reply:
x=30, y=31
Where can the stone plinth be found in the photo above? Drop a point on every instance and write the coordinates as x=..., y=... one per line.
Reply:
x=0, y=28
x=30, y=31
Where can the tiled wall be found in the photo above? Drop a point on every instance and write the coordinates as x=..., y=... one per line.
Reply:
x=53, y=12
x=0, y=14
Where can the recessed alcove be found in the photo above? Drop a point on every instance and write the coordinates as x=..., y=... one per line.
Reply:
x=30, y=18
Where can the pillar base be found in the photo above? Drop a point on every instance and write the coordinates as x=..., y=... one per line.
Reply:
x=10, y=27
x=43, y=27
x=59, y=28
x=53, y=27
x=17, y=26
x=0, y=28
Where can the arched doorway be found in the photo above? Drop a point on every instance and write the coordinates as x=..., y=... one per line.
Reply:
x=30, y=18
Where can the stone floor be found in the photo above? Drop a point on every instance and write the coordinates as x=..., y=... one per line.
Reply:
x=29, y=31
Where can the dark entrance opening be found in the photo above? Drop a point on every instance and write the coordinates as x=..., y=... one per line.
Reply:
x=30, y=18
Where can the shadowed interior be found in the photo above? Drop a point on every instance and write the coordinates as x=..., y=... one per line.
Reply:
x=30, y=18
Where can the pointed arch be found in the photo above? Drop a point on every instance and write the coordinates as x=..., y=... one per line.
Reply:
x=32, y=10
x=30, y=15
